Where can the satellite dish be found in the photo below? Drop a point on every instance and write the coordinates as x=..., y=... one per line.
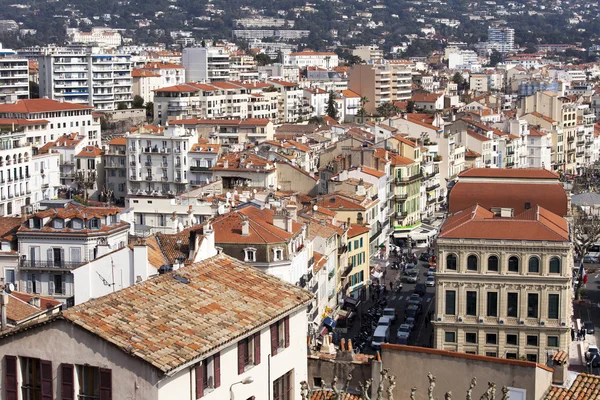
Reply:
x=9, y=288
x=315, y=207
x=255, y=191
x=235, y=192
x=228, y=195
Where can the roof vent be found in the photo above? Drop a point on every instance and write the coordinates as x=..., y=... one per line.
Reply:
x=181, y=279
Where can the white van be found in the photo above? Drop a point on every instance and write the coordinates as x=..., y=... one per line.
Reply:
x=381, y=335
x=384, y=321
x=390, y=312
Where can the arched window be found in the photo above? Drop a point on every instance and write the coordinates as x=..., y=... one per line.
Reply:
x=493, y=263
x=451, y=262
x=472, y=262
x=534, y=264
x=513, y=264
x=555, y=265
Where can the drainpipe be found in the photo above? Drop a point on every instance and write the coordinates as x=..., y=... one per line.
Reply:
x=3, y=303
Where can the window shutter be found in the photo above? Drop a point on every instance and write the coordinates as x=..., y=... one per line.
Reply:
x=51, y=285
x=49, y=260
x=38, y=284
x=46, y=369
x=217, y=371
x=10, y=377
x=64, y=286
x=199, y=382
x=29, y=283
x=62, y=256
x=274, y=344
x=286, y=328
x=257, y=348
x=241, y=356
x=105, y=384
x=67, y=387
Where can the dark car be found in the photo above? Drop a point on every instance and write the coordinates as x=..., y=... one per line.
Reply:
x=412, y=311
x=424, y=257
x=589, y=327
x=420, y=289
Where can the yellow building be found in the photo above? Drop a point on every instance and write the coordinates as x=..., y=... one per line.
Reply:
x=357, y=272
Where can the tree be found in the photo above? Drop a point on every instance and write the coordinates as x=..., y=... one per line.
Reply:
x=85, y=179
x=262, y=59
x=362, y=112
x=458, y=79
x=122, y=106
x=586, y=232
x=388, y=109
x=495, y=58
x=138, y=101
x=34, y=90
x=530, y=49
x=331, y=110
x=150, y=110
x=203, y=43
x=316, y=120
x=410, y=107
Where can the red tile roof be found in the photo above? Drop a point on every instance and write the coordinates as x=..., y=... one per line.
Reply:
x=512, y=173
x=144, y=73
x=120, y=141
x=183, y=316
x=327, y=394
x=40, y=105
x=584, y=387
x=535, y=224
x=356, y=230
x=90, y=151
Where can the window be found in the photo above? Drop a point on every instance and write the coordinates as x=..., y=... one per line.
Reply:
x=532, y=305
x=555, y=265
x=512, y=339
x=512, y=305
x=534, y=265
x=250, y=254
x=491, y=338
x=10, y=276
x=513, y=264
x=450, y=302
x=472, y=263
x=208, y=375
x=451, y=262
x=552, y=341
x=491, y=354
x=280, y=335
x=55, y=285
x=493, y=263
x=471, y=303
x=248, y=352
x=277, y=254
x=532, y=340
x=58, y=223
x=471, y=337
x=32, y=378
x=94, y=223
x=450, y=337
x=553, y=306
x=282, y=387
x=94, y=382
x=532, y=357
x=511, y=356
x=492, y=304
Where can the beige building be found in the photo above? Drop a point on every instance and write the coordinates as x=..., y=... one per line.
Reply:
x=504, y=271
x=382, y=83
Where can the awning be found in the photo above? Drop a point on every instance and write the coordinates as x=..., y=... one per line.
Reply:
x=329, y=322
x=377, y=274
x=401, y=235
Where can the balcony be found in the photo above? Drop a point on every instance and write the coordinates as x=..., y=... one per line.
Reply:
x=148, y=163
x=570, y=139
x=401, y=214
x=432, y=187
x=408, y=179
x=510, y=164
x=510, y=152
x=581, y=143
x=48, y=264
x=149, y=177
x=346, y=271
x=165, y=178
x=45, y=185
x=133, y=178
x=342, y=249
x=401, y=197
x=315, y=287
x=198, y=169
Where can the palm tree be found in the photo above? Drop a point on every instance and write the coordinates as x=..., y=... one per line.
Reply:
x=361, y=111
x=388, y=109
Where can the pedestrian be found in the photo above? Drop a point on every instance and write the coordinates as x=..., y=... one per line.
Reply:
x=384, y=272
x=572, y=334
x=373, y=296
x=391, y=285
x=583, y=334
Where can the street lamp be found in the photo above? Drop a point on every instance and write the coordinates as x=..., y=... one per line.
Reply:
x=247, y=380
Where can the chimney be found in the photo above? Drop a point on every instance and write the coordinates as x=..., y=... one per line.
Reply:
x=289, y=226
x=292, y=210
x=246, y=226
x=140, y=260
x=279, y=219
x=35, y=301
x=3, y=304
x=360, y=188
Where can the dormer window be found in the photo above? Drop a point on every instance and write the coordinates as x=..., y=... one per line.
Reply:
x=77, y=224
x=58, y=223
x=250, y=254
x=35, y=223
x=277, y=254
x=94, y=223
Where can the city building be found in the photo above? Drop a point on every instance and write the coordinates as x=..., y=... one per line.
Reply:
x=245, y=169
x=115, y=169
x=14, y=80
x=206, y=350
x=144, y=83
x=206, y=64
x=501, y=39
x=90, y=77
x=310, y=58
x=98, y=36
x=369, y=53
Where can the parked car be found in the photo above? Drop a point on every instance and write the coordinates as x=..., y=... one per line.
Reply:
x=424, y=257
x=420, y=289
x=592, y=356
x=384, y=321
x=590, y=260
x=414, y=299
x=412, y=311
x=430, y=282
x=390, y=312
x=410, y=321
x=403, y=334
x=431, y=271
x=589, y=327
x=381, y=335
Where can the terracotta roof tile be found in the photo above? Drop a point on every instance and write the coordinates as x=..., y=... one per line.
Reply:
x=168, y=322
x=19, y=309
x=119, y=141
x=356, y=230
x=327, y=394
x=40, y=105
x=528, y=173
x=90, y=151
x=584, y=387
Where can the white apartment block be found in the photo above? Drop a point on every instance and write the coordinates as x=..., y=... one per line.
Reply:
x=14, y=77
x=292, y=106
x=102, y=37
x=462, y=58
x=170, y=73
x=501, y=39
x=101, y=80
x=206, y=64
x=313, y=59
x=46, y=120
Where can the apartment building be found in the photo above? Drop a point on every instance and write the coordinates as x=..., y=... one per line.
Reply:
x=206, y=64
x=369, y=53
x=115, y=169
x=158, y=162
x=293, y=107
x=267, y=352
x=501, y=39
x=89, y=163
x=14, y=77
x=351, y=101
x=357, y=273
x=144, y=83
x=504, y=271
x=45, y=120
x=66, y=147
x=98, y=36
x=382, y=83
x=245, y=169
x=100, y=80
x=54, y=241
x=170, y=73
x=18, y=187
x=310, y=58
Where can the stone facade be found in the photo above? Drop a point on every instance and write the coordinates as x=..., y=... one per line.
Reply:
x=504, y=308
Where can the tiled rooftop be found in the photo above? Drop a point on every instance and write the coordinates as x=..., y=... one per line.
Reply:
x=168, y=323
x=585, y=387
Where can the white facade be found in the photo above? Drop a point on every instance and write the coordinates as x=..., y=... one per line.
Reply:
x=206, y=64
x=501, y=39
x=96, y=79
x=313, y=59
x=14, y=78
x=103, y=37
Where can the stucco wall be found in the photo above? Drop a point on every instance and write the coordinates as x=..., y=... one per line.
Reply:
x=453, y=373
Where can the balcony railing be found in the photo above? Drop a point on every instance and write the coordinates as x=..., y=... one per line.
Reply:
x=347, y=270
x=405, y=179
x=42, y=264
x=194, y=168
x=342, y=249
x=432, y=187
